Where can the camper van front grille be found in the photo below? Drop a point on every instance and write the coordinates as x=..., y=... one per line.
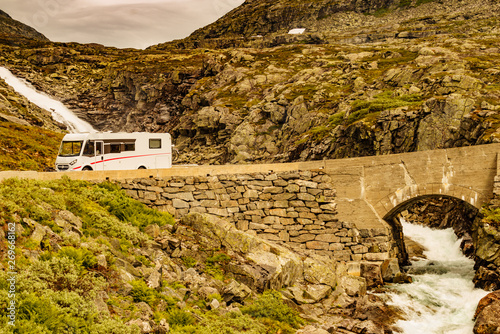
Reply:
x=62, y=167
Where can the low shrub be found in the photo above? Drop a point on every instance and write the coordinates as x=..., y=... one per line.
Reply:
x=179, y=318
x=270, y=307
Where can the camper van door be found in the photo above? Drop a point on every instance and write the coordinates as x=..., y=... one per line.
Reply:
x=99, y=156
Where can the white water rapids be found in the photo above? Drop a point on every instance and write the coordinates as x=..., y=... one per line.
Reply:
x=442, y=298
x=58, y=110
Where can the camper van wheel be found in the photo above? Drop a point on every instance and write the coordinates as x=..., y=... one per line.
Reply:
x=87, y=168
x=141, y=167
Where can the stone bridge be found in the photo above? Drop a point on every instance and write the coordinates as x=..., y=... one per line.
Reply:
x=369, y=191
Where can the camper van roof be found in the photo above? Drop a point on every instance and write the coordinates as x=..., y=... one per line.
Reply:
x=110, y=135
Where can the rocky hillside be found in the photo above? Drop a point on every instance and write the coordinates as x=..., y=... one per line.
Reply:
x=91, y=260
x=368, y=78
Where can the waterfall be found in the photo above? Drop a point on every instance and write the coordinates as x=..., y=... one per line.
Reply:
x=58, y=110
x=442, y=298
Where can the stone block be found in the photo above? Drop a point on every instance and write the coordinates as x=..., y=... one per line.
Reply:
x=292, y=188
x=280, y=183
x=188, y=188
x=176, y=184
x=210, y=194
x=329, y=206
x=215, y=185
x=155, y=189
x=312, y=204
x=317, y=245
x=286, y=221
x=308, y=215
x=261, y=183
x=296, y=204
x=278, y=212
x=150, y=196
x=336, y=247
x=327, y=217
x=304, y=238
x=242, y=225
x=284, y=236
x=270, y=220
x=254, y=226
x=233, y=209
x=292, y=214
x=357, y=257
x=272, y=231
x=235, y=196
x=250, y=193
x=201, y=186
x=198, y=209
x=273, y=190
x=254, y=213
x=271, y=177
x=264, y=205
x=281, y=204
x=331, y=238
x=210, y=203
x=304, y=183
x=304, y=221
x=228, y=203
x=376, y=256
x=359, y=249
x=132, y=193
x=315, y=192
x=218, y=212
x=186, y=196
x=306, y=197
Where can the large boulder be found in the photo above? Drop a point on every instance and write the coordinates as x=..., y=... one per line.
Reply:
x=268, y=266
x=487, y=311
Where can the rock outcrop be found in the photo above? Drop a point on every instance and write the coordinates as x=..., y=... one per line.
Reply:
x=487, y=314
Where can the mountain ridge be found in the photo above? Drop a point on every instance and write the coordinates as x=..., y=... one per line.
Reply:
x=11, y=27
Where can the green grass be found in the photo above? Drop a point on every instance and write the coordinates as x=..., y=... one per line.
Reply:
x=269, y=307
x=383, y=101
x=27, y=148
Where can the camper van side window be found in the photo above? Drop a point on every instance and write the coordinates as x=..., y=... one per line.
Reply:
x=114, y=148
x=89, y=149
x=155, y=143
x=129, y=147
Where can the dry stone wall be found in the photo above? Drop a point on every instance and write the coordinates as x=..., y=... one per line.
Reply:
x=294, y=208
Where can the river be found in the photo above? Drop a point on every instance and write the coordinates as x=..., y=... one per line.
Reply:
x=58, y=110
x=442, y=298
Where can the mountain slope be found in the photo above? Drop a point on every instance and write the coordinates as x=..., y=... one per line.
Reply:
x=9, y=26
x=259, y=17
x=412, y=76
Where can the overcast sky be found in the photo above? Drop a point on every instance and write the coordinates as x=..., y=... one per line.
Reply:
x=120, y=23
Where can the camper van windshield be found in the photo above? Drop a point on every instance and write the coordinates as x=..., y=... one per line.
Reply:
x=70, y=148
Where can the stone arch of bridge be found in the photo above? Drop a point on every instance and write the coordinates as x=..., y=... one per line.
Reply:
x=392, y=217
x=396, y=200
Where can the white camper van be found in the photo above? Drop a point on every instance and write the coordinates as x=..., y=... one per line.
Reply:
x=114, y=151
